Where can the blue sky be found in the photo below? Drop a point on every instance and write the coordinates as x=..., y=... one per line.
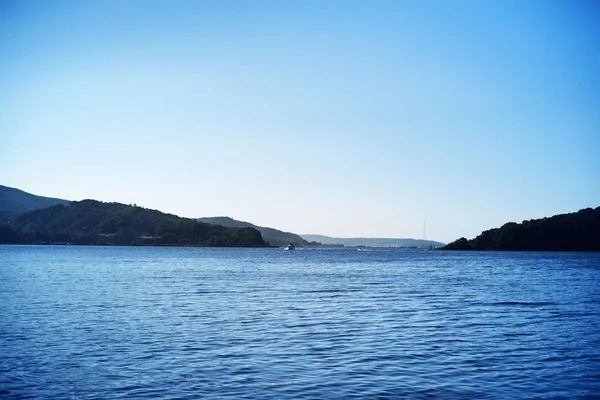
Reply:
x=344, y=118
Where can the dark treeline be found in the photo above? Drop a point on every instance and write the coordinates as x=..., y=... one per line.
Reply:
x=578, y=231
x=98, y=223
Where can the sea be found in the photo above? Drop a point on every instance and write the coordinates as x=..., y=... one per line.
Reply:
x=81, y=322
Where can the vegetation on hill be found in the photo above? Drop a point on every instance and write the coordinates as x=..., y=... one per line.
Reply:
x=94, y=222
x=272, y=236
x=14, y=201
x=578, y=231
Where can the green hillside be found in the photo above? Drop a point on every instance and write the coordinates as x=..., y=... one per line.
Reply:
x=94, y=222
x=272, y=236
x=578, y=231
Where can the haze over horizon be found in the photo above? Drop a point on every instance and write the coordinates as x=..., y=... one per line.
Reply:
x=340, y=118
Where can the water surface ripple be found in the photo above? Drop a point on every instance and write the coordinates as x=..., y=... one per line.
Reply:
x=186, y=323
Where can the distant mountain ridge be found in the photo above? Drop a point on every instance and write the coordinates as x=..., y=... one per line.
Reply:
x=15, y=201
x=372, y=242
x=579, y=231
x=272, y=236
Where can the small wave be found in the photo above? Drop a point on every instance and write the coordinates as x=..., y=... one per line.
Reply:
x=516, y=334
x=330, y=291
x=524, y=303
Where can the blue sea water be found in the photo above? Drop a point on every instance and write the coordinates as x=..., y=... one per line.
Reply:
x=187, y=323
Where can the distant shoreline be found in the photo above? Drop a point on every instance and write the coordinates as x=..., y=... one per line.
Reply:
x=301, y=248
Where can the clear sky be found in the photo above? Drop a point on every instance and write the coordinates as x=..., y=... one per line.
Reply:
x=343, y=118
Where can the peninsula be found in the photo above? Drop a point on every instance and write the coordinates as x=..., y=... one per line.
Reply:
x=96, y=223
x=579, y=231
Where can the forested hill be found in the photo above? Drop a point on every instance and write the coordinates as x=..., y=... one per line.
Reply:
x=95, y=222
x=578, y=231
x=272, y=236
x=14, y=201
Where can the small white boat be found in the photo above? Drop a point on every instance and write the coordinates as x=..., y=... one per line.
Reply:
x=290, y=246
